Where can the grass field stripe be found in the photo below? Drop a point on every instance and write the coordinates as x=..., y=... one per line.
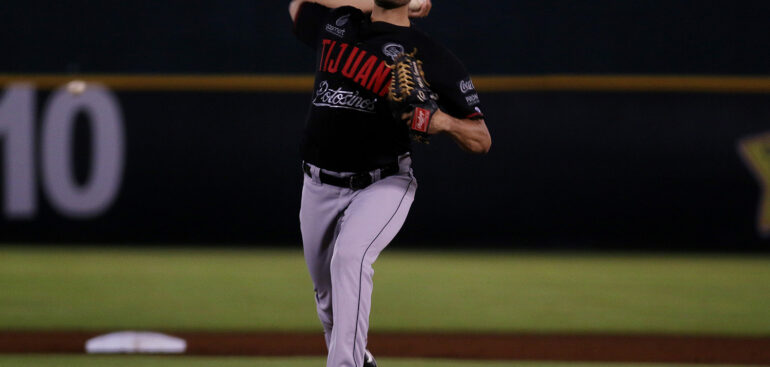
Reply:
x=692, y=293
x=758, y=84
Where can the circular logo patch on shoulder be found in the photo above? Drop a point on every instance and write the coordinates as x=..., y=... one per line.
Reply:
x=343, y=20
x=392, y=50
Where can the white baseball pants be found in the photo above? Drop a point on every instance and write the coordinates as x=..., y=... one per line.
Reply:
x=343, y=232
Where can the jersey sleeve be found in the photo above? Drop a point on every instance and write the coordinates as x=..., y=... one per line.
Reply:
x=451, y=81
x=307, y=24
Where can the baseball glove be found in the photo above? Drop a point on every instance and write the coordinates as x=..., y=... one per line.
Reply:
x=410, y=92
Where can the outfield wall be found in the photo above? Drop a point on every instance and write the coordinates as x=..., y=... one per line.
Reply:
x=585, y=168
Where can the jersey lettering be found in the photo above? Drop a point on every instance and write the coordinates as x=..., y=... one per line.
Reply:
x=333, y=67
x=331, y=48
x=326, y=96
x=348, y=71
x=324, y=44
x=366, y=70
x=382, y=73
x=376, y=80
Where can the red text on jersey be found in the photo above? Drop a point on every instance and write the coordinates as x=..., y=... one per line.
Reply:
x=355, y=64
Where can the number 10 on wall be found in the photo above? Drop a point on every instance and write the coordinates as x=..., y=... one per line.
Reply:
x=31, y=157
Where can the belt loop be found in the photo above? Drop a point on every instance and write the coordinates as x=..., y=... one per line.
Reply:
x=404, y=162
x=316, y=171
x=376, y=175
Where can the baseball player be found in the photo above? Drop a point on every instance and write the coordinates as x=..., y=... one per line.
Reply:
x=358, y=184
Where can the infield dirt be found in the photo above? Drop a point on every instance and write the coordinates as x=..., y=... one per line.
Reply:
x=533, y=347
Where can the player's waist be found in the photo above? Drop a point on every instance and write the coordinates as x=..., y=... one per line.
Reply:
x=352, y=154
x=357, y=180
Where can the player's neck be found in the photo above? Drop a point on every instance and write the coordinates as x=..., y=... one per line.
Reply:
x=398, y=16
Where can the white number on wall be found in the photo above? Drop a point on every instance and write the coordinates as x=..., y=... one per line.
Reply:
x=56, y=140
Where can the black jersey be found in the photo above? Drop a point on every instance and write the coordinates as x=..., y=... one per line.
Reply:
x=350, y=127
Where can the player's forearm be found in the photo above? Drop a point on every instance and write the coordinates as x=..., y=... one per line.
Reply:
x=471, y=135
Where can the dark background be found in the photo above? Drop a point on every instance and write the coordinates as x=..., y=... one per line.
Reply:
x=503, y=37
x=574, y=170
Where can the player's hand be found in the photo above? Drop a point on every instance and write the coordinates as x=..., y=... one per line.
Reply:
x=423, y=11
x=437, y=122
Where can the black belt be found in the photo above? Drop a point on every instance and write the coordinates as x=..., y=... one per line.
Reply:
x=357, y=181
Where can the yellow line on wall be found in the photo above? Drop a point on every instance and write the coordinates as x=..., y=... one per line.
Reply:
x=148, y=82
x=626, y=83
x=484, y=83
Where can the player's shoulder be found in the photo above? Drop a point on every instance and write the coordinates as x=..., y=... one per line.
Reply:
x=421, y=37
x=344, y=14
x=431, y=48
x=340, y=14
x=339, y=20
x=347, y=9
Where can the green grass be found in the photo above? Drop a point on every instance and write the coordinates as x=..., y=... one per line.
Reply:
x=142, y=361
x=180, y=289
